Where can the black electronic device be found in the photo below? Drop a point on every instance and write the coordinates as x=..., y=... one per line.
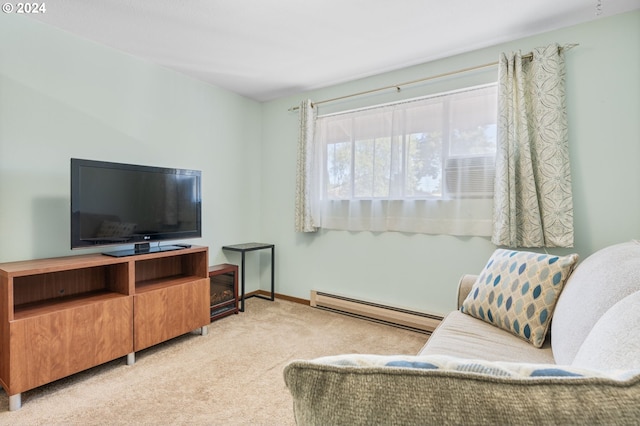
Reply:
x=118, y=204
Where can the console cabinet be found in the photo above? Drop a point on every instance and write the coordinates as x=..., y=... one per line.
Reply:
x=63, y=315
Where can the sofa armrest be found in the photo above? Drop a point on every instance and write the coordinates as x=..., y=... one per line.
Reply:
x=351, y=395
x=464, y=287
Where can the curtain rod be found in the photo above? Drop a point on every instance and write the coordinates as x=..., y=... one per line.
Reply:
x=420, y=80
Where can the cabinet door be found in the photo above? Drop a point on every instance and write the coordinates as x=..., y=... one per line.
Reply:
x=167, y=312
x=48, y=347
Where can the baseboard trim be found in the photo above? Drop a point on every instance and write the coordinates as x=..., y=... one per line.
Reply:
x=412, y=320
x=278, y=296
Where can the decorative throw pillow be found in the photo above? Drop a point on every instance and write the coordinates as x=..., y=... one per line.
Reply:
x=517, y=291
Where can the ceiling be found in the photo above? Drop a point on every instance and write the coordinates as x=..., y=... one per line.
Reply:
x=267, y=49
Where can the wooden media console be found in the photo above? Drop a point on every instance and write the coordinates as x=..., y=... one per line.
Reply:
x=60, y=316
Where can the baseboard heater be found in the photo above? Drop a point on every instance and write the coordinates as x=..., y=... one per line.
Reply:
x=403, y=318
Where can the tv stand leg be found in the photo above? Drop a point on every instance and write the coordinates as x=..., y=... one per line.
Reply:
x=204, y=330
x=15, y=402
x=131, y=358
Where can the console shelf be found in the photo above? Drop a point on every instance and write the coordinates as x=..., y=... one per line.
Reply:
x=63, y=315
x=158, y=283
x=44, y=307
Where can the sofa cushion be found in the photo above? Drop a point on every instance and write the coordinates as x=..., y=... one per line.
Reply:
x=336, y=392
x=464, y=336
x=614, y=342
x=598, y=283
x=517, y=291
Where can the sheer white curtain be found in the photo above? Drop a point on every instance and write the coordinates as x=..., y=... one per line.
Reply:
x=533, y=197
x=424, y=166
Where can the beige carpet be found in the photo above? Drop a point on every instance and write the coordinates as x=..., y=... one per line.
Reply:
x=231, y=376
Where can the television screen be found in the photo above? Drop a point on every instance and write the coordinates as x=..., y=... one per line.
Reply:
x=114, y=203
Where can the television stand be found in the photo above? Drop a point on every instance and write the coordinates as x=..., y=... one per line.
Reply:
x=64, y=315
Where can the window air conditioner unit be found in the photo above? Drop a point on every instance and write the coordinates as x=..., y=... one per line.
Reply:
x=470, y=177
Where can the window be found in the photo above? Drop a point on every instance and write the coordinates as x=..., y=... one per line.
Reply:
x=409, y=159
x=434, y=148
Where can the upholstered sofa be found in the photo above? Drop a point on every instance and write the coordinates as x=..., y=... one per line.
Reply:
x=536, y=340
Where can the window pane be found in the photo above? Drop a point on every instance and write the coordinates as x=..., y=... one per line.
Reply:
x=424, y=164
x=424, y=149
x=363, y=169
x=372, y=167
x=473, y=122
x=381, y=167
x=339, y=170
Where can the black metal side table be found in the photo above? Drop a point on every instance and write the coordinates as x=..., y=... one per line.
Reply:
x=243, y=248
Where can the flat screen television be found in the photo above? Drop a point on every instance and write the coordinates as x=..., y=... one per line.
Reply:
x=118, y=204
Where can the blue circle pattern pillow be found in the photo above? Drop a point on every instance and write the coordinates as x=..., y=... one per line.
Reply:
x=518, y=290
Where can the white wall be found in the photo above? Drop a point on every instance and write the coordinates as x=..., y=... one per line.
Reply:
x=62, y=97
x=421, y=271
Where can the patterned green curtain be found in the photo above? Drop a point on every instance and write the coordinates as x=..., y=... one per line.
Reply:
x=533, y=203
x=304, y=221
